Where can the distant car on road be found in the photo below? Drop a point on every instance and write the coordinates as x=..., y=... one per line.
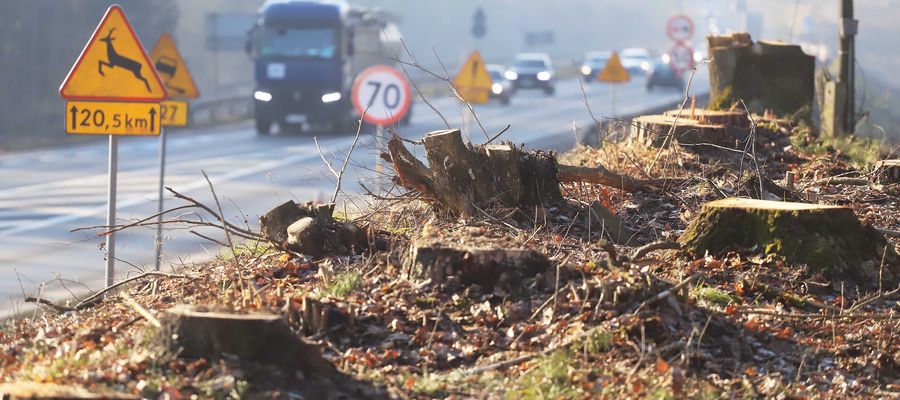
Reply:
x=500, y=86
x=531, y=71
x=637, y=61
x=663, y=75
x=593, y=63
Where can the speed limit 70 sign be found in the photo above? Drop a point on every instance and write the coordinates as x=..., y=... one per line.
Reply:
x=381, y=95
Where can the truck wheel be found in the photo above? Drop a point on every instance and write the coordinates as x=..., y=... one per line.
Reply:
x=263, y=126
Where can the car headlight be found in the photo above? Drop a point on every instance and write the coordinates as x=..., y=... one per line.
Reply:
x=511, y=75
x=585, y=70
x=666, y=58
x=544, y=76
x=497, y=88
x=645, y=66
x=331, y=97
x=262, y=96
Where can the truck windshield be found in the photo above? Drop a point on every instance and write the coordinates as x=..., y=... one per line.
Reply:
x=297, y=42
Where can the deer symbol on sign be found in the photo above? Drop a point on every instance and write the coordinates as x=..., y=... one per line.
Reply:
x=115, y=59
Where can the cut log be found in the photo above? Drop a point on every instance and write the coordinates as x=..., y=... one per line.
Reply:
x=713, y=117
x=829, y=239
x=886, y=172
x=274, y=223
x=310, y=229
x=201, y=332
x=52, y=391
x=461, y=178
x=766, y=75
x=485, y=267
x=654, y=130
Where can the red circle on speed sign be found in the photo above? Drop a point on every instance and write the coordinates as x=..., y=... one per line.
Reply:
x=680, y=28
x=381, y=95
x=681, y=57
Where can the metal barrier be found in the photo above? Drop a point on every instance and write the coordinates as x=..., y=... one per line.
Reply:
x=224, y=110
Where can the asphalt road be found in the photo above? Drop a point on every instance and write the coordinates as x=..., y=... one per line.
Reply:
x=45, y=194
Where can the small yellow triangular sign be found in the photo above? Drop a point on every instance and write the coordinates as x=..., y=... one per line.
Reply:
x=614, y=72
x=113, y=66
x=173, y=69
x=473, y=81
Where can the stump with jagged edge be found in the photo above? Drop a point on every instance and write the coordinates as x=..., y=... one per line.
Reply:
x=828, y=239
x=663, y=130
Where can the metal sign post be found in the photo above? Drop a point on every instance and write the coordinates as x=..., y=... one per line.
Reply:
x=110, y=271
x=162, y=181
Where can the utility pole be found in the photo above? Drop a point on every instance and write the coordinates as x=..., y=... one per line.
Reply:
x=847, y=58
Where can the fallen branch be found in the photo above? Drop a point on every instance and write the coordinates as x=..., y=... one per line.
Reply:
x=96, y=296
x=48, y=303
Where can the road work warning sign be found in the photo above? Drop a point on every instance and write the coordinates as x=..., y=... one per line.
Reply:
x=113, y=66
x=473, y=81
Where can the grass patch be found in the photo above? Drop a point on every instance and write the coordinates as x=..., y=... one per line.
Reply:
x=341, y=286
x=598, y=341
x=547, y=379
x=713, y=295
x=863, y=153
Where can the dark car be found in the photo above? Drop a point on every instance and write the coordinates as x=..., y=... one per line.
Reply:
x=593, y=64
x=531, y=71
x=663, y=75
x=500, y=86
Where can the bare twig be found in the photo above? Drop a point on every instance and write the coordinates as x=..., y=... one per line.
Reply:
x=90, y=300
x=48, y=303
x=143, y=312
x=498, y=134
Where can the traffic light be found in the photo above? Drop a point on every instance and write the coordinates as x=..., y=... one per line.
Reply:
x=478, y=27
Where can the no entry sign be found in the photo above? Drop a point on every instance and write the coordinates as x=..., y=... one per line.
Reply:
x=381, y=95
x=680, y=28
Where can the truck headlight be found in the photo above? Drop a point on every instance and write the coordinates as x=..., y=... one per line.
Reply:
x=585, y=70
x=511, y=75
x=497, y=88
x=544, y=76
x=262, y=96
x=645, y=66
x=331, y=97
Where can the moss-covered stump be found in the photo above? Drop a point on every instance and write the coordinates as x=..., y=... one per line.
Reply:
x=261, y=338
x=828, y=239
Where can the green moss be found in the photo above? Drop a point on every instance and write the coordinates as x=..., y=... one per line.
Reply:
x=862, y=153
x=341, y=286
x=713, y=295
x=724, y=100
x=549, y=379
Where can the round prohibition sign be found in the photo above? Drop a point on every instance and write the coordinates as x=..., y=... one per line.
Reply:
x=681, y=57
x=680, y=28
x=381, y=95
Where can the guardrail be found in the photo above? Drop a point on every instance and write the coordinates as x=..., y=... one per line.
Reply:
x=222, y=110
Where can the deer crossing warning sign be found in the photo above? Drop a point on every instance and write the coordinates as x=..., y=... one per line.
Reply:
x=113, y=66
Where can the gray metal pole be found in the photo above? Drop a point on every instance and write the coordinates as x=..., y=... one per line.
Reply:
x=162, y=182
x=111, y=211
x=845, y=65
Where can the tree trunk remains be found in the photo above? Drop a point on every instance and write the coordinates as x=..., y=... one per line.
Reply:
x=654, y=130
x=486, y=267
x=713, y=117
x=829, y=239
x=461, y=177
x=310, y=229
x=199, y=332
x=52, y=391
x=766, y=75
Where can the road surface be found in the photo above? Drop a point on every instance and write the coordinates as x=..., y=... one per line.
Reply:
x=45, y=194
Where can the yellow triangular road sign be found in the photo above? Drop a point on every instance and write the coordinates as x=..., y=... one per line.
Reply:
x=173, y=69
x=113, y=66
x=473, y=81
x=614, y=72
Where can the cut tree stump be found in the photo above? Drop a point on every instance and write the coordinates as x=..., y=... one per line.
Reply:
x=654, y=130
x=462, y=178
x=201, y=332
x=486, y=267
x=600, y=218
x=713, y=117
x=52, y=391
x=886, y=172
x=766, y=75
x=829, y=239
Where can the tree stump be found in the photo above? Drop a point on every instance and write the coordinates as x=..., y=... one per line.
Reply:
x=310, y=229
x=274, y=223
x=601, y=219
x=829, y=239
x=654, y=130
x=713, y=117
x=886, y=172
x=766, y=75
x=200, y=332
x=486, y=267
x=462, y=178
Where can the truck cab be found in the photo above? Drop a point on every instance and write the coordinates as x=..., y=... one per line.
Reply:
x=306, y=55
